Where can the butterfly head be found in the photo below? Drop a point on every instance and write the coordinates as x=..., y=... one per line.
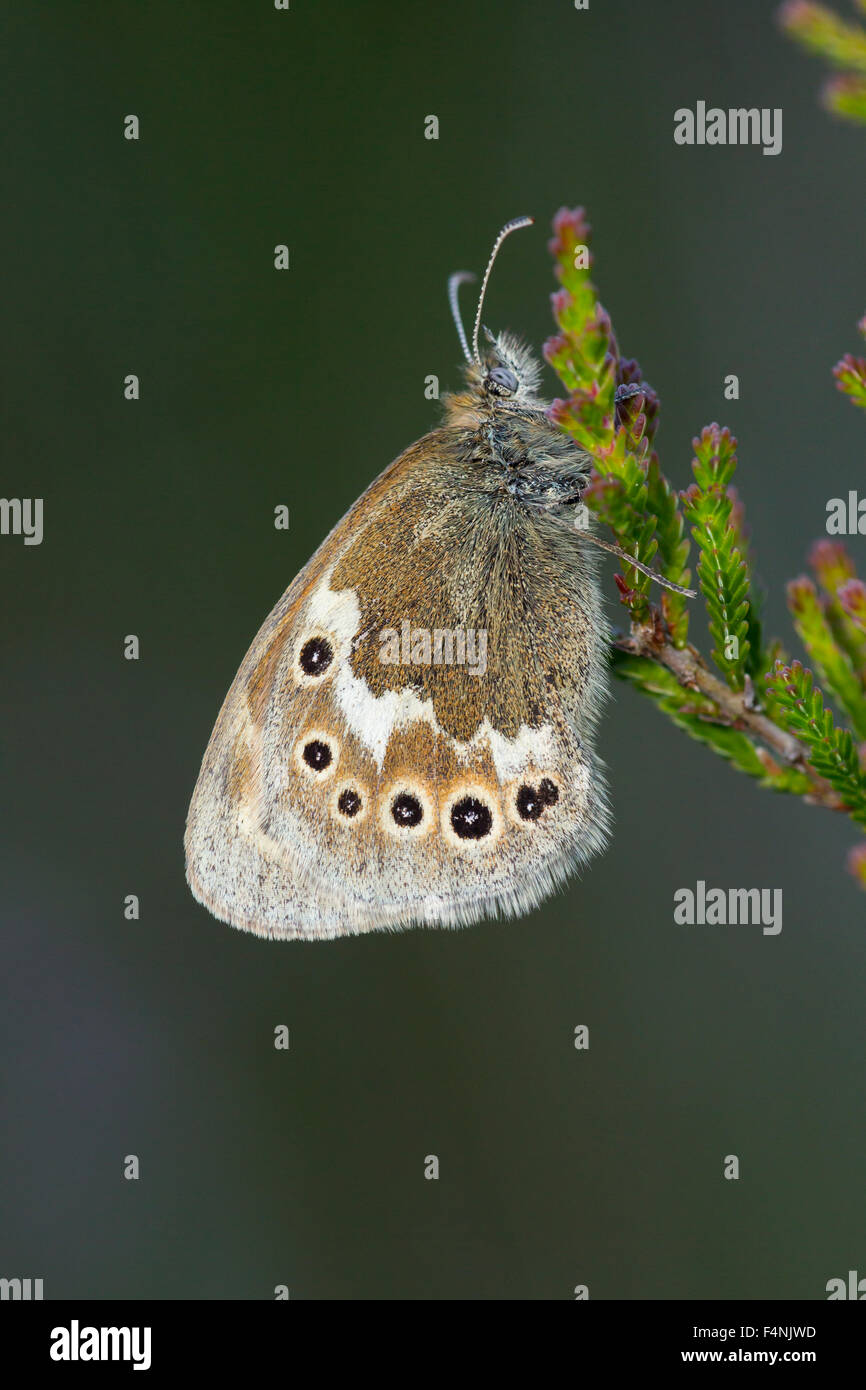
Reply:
x=509, y=373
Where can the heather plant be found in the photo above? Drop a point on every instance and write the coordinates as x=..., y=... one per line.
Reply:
x=843, y=44
x=794, y=729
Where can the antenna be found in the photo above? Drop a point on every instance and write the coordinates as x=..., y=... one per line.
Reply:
x=509, y=227
x=459, y=278
x=638, y=565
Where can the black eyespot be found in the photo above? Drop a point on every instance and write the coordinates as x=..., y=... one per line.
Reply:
x=317, y=755
x=406, y=810
x=501, y=381
x=349, y=803
x=316, y=656
x=532, y=801
x=470, y=818
x=529, y=803
x=548, y=791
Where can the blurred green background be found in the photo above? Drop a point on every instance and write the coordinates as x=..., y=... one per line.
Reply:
x=155, y=1037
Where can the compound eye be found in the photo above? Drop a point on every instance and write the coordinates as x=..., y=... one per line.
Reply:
x=501, y=381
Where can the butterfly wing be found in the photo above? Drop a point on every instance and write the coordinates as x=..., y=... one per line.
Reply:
x=409, y=738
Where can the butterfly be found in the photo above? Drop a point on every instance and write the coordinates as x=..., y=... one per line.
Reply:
x=409, y=740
